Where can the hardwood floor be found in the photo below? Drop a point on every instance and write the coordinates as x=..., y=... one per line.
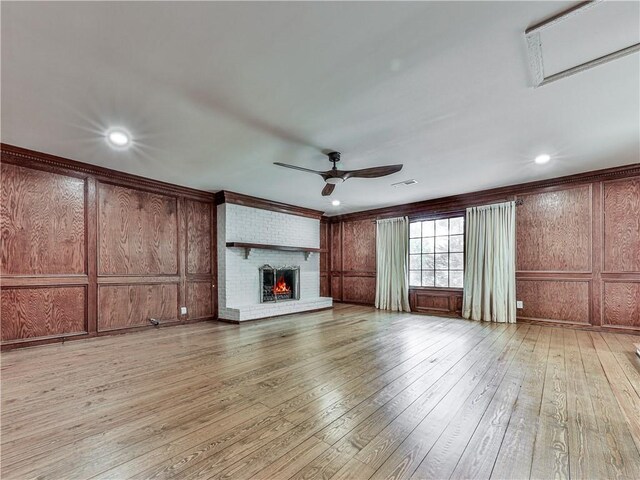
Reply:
x=347, y=393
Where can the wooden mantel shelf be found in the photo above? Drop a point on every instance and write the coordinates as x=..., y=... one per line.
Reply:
x=248, y=246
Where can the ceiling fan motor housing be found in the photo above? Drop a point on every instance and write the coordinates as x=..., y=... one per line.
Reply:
x=334, y=176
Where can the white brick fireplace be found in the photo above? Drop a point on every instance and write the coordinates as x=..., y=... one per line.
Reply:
x=239, y=282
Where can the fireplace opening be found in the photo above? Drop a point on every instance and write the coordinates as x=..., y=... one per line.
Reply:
x=279, y=284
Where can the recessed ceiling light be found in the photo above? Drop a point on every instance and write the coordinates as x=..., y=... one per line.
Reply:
x=540, y=159
x=335, y=203
x=118, y=138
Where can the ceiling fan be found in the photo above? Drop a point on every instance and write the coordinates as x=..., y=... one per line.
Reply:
x=334, y=176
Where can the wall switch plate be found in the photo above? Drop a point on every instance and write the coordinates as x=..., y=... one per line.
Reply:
x=519, y=304
x=183, y=310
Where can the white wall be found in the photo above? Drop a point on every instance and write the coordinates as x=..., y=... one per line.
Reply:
x=238, y=277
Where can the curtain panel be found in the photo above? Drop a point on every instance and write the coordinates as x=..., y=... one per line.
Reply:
x=392, y=264
x=490, y=263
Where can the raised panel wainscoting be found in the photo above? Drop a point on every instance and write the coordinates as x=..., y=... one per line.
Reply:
x=436, y=301
x=87, y=250
x=556, y=300
x=359, y=288
x=200, y=299
x=126, y=306
x=40, y=312
x=621, y=304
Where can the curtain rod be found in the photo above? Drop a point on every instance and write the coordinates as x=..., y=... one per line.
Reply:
x=518, y=203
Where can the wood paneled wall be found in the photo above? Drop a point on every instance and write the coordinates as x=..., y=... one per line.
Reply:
x=87, y=250
x=325, y=273
x=620, y=259
x=579, y=253
x=353, y=261
x=577, y=242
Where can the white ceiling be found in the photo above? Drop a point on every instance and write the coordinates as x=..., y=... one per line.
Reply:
x=594, y=31
x=213, y=93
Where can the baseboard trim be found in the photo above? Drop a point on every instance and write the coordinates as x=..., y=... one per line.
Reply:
x=37, y=342
x=547, y=323
x=581, y=326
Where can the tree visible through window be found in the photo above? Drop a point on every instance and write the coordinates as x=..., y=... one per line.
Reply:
x=436, y=253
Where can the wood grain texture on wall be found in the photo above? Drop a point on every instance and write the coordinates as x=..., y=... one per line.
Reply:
x=137, y=231
x=200, y=299
x=42, y=312
x=325, y=282
x=126, y=306
x=432, y=301
x=621, y=211
x=324, y=247
x=42, y=218
x=436, y=301
x=87, y=251
x=336, y=287
x=622, y=304
x=359, y=246
x=198, y=237
x=551, y=299
x=359, y=289
x=325, y=285
x=336, y=247
x=554, y=231
x=353, y=261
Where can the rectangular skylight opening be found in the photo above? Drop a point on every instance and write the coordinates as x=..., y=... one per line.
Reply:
x=583, y=37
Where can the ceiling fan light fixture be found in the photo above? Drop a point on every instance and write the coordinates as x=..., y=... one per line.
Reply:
x=334, y=180
x=334, y=176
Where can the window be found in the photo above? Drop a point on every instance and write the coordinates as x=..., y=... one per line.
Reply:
x=436, y=253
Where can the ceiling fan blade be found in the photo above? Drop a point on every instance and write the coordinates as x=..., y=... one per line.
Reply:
x=328, y=189
x=373, y=172
x=302, y=169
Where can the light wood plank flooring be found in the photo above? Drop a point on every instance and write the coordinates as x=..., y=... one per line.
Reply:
x=347, y=393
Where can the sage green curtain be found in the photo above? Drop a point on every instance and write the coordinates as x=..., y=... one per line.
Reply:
x=392, y=264
x=490, y=263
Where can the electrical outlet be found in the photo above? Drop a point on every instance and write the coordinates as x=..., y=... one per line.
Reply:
x=519, y=304
x=183, y=310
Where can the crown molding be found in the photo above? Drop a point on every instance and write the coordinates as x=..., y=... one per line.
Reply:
x=33, y=159
x=45, y=161
x=457, y=203
x=225, y=196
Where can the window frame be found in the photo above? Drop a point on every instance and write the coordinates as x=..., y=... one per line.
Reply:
x=442, y=216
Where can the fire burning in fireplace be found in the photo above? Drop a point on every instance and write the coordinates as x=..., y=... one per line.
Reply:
x=279, y=283
x=281, y=286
